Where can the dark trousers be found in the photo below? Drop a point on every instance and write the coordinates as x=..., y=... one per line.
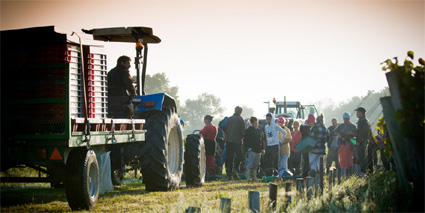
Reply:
x=306, y=164
x=361, y=158
x=231, y=150
x=294, y=162
x=271, y=159
x=371, y=155
x=385, y=161
x=332, y=156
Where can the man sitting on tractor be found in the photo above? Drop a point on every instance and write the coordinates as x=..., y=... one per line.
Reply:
x=120, y=90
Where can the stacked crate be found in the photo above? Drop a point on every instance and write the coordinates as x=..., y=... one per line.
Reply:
x=96, y=82
x=42, y=81
x=35, y=83
x=76, y=90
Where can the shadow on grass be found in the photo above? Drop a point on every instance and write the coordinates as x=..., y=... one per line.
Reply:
x=13, y=196
x=18, y=196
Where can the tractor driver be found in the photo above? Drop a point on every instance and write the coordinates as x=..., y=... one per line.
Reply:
x=120, y=90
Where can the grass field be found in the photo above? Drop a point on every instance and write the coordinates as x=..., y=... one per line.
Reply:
x=377, y=193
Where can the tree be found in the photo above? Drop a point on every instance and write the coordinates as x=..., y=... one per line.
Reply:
x=247, y=112
x=159, y=83
x=193, y=111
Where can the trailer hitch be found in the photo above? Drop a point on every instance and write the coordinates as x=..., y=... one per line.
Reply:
x=133, y=134
x=87, y=135
x=113, y=139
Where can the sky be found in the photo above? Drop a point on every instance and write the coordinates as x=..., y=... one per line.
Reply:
x=248, y=52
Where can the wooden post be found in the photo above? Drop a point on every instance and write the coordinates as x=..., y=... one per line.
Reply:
x=288, y=193
x=334, y=174
x=300, y=184
x=272, y=195
x=225, y=205
x=316, y=183
x=322, y=174
x=389, y=107
x=310, y=183
x=356, y=169
x=330, y=179
x=254, y=201
x=192, y=209
x=339, y=175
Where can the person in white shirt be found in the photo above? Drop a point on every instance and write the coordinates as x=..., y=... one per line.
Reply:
x=271, y=157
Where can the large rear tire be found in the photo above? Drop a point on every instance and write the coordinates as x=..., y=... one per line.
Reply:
x=162, y=165
x=82, y=179
x=194, y=160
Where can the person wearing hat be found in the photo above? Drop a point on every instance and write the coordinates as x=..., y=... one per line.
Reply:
x=365, y=150
x=345, y=150
x=305, y=130
x=284, y=146
x=209, y=132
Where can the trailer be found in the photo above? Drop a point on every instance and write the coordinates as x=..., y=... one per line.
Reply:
x=54, y=113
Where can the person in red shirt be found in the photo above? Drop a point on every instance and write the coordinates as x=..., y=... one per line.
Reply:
x=295, y=157
x=209, y=132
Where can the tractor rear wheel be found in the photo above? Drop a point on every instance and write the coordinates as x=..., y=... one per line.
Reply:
x=162, y=165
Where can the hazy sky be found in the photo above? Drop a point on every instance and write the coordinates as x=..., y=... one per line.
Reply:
x=247, y=52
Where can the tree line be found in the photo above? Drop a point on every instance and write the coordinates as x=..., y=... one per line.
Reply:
x=192, y=111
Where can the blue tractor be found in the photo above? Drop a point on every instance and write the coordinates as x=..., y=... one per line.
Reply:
x=160, y=156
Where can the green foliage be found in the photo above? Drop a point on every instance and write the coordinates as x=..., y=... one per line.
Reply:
x=193, y=111
x=383, y=128
x=378, y=193
x=159, y=83
x=411, y=84
x=247, y=112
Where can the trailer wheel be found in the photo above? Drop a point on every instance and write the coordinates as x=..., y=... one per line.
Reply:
x=162, y=165
x=194, y=160
x=82, y=179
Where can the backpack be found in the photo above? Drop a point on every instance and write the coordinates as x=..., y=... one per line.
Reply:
x=222, y=124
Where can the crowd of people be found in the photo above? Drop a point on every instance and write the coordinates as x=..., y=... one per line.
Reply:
x=277, y=148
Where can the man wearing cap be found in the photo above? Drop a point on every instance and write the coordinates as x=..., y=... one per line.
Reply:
x=284, y=146
x=364, y=144
x=345, y=150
